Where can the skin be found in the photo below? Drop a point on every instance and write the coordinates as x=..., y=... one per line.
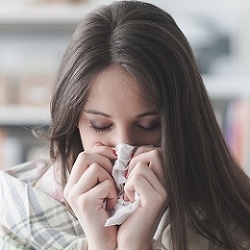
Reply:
x=117, y=112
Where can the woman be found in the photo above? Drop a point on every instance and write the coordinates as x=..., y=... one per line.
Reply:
x=129, y=76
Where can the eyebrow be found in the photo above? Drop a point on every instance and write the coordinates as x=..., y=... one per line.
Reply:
x=96, y=112
x=149, y=113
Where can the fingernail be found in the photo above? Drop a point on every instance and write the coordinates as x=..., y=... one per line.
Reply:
x=126, y=173
x=114, y=152
x=125, y=197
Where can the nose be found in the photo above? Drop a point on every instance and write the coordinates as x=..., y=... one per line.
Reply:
x=123, y=136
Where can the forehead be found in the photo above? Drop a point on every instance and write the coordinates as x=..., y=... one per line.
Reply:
x=114, y=83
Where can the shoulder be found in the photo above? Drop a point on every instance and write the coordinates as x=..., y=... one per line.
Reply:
x=27, y=172
x=39, y=174
x=163, y=235
x=29, y=217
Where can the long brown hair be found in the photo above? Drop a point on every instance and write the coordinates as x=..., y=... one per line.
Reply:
x=205, y=186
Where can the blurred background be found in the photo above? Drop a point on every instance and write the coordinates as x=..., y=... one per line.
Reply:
x=34, y=34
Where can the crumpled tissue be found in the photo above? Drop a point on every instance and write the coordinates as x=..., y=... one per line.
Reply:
x=123, y=209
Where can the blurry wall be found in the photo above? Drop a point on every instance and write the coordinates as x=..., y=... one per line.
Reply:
x=34, y=34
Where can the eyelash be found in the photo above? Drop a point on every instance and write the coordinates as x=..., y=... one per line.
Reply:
x=99, y=130
x=151, y=129
x=146, y=130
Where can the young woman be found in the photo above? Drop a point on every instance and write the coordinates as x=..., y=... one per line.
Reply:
x=129, y=76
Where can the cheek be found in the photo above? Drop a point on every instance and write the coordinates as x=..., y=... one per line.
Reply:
x=86, y=138
x=156, y=140
x=89, y=139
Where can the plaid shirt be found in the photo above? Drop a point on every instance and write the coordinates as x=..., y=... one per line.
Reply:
x=32, y=219
x=33, y=215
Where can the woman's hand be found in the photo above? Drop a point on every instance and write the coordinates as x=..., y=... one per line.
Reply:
x=145, y=176
x=91, y=193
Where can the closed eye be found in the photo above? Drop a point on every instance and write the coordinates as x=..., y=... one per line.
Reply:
x=151, y=128
x=99, y=129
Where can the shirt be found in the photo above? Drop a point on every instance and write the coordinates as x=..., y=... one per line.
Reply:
x=33, y=215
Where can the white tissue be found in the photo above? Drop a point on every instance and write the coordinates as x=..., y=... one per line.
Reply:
x=122, y=209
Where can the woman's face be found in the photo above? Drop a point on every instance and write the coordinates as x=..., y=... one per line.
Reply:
x=117, y=112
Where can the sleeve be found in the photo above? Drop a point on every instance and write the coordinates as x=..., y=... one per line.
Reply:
x=10, y=241
x=79, y=244
x=162, y=237
x=156, y=245
x=31, y=219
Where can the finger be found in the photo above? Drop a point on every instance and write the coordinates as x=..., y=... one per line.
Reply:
x=142, y=149
x=107, y=191
x=103, y=156
x=105, y=151
x=99, y=144
x=88, y=206
x=83, y=161
x=94, y=175
x=149, y=197
x=149, y=175
x=104, y=191
x=150, y=156
x=142, y=187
